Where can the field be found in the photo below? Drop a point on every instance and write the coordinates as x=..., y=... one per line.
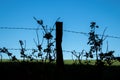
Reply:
x=91, y=62
x=48, y=71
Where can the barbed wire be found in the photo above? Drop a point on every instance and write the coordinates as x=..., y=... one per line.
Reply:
x=37, y=49
x=70, y=31
x=30, y=49
x=19, y=49
x=21, y=28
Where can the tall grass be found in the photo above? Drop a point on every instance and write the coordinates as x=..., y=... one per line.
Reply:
x=68, y=62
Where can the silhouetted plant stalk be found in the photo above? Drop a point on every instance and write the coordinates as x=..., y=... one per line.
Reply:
x=107, y=56
x=29, y=57
x=94, y=41
x=87, y=55
x=78, y=56
x=22, y=51
x=5, y=50
x=48, y=36
x=39, y=47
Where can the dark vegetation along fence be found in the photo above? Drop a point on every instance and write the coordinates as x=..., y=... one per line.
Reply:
x=95, y=41
x=41, y=67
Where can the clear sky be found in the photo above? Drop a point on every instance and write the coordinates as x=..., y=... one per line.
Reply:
x=76, y=15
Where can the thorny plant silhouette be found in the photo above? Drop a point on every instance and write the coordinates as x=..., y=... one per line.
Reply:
x=107, y=56
x=96, y=43
x=48, y=36
x=25, y=56
x=22, y=51
x=11, y=57
x=78, y=57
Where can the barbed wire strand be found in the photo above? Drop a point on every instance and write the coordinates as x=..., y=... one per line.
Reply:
x=37, y=49
x=70, y=31
x=14, y=49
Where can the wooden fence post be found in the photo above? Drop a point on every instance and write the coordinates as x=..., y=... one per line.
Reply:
x=59, y=54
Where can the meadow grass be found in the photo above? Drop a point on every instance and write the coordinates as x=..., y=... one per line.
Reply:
x=68, y=62
x=90, y=62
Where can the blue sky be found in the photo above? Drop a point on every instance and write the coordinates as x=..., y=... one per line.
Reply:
x=76, y=15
